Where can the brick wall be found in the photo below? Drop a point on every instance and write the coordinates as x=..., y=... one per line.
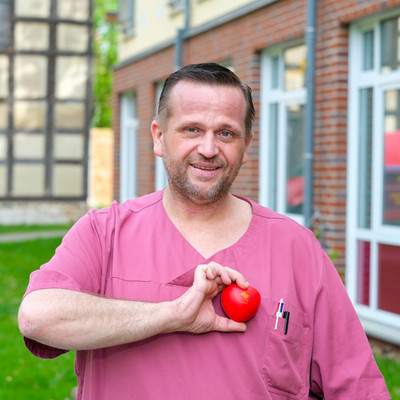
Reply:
x=241, y=42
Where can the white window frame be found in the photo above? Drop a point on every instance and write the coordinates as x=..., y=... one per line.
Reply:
x=284, y=99
x=379, y=323
x=128, y=147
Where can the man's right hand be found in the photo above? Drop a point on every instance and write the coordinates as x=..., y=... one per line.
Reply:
x=73, y=320
x=195, y=311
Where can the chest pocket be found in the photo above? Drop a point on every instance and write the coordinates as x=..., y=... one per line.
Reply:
x=285, y=364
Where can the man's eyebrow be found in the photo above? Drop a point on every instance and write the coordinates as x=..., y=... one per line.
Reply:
x=195, y=122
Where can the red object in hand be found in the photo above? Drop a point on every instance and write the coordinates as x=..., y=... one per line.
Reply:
x=240, y=304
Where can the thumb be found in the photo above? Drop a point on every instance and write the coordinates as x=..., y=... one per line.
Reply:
x=223, y=324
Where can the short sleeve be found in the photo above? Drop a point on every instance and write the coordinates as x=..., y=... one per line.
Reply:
x=41, y=350
x=77, y=264
x=342, y=365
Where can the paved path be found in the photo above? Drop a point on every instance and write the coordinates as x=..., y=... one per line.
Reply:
x=24, y=236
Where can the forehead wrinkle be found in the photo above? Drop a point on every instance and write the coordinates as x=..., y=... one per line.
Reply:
x=183, y=104
x=203, y=97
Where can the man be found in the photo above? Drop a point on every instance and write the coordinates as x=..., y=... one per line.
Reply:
x=134, y=288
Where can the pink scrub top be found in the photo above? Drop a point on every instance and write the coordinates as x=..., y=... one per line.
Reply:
x=133, y=251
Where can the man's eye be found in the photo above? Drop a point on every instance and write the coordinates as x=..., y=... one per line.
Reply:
x=226, y=133
x=191, y=130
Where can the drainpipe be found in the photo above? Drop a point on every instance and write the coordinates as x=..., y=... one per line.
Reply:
x=180, y=36
x=309, y=113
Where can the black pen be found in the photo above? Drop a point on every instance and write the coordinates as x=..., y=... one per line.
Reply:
x=286, y=316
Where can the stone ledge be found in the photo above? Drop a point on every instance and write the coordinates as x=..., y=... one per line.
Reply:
x=41, y=212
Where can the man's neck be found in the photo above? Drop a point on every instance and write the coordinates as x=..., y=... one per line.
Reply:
x=209, y=228
x=186, y=210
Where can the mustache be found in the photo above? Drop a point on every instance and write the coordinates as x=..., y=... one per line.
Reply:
x=200, y=158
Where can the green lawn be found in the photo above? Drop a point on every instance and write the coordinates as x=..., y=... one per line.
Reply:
x=23, y=376
x=390, y=369
x=31, y=228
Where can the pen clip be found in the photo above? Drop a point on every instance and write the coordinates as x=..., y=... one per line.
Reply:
x=279, y=312
x=286, y=316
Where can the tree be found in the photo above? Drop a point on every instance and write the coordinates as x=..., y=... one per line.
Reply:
x=105, y=56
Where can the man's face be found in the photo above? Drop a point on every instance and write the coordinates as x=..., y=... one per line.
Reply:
x=203, y=141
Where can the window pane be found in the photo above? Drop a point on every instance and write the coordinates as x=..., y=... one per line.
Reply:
x=70, y=115
x=31, y=36
x=30, y=77
x=391, y=168
x=273, y=155
x=126, y=16
x=3, y=180
x=3, y=117
x=3, y=147
x=365, y=159
x=389, y=278
x=71, y=77
x=390, y=42
x=68, y=180
x=275, y=72
x=71, y=37
x=295, y=163
x=28, y=180
x=295, y=66
x=4, y=24
x=363, y=261
x=30, y=114
x=68, y=146
x=3, y=76
x=29, y=146
x=368, y=50
x=32, y=8
x=73, y=9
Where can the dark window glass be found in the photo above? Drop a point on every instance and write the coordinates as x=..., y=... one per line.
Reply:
x=4, y=24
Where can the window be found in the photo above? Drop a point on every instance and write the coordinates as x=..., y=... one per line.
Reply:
x=5, y=31
x=176, y=6
x=283, y=96
x=128, y=155
x=126, y=16
x=44, y=107
x=373, y=230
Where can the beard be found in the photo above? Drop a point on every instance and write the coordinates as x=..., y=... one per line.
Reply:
x=199, y=192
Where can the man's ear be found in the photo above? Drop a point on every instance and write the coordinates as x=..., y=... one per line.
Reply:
x=158, y=136
x=247, y=144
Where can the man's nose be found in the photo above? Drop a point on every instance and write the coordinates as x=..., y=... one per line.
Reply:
x=208, y=146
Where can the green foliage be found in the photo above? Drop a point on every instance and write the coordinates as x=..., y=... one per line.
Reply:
x=105, y=56
x=332, y=254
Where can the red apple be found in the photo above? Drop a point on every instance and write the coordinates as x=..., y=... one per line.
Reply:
x=240, y=304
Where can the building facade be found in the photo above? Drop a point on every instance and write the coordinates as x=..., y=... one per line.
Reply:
x=351, y=90
x=45, y=108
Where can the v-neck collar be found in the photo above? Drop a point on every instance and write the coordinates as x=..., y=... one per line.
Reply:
x=242, y=242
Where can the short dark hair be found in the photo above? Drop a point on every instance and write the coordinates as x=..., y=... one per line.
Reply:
x=211, y=74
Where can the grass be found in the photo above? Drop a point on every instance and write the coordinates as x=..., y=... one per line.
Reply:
x=31, y=228
x=23, y=376
x=390, y=369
